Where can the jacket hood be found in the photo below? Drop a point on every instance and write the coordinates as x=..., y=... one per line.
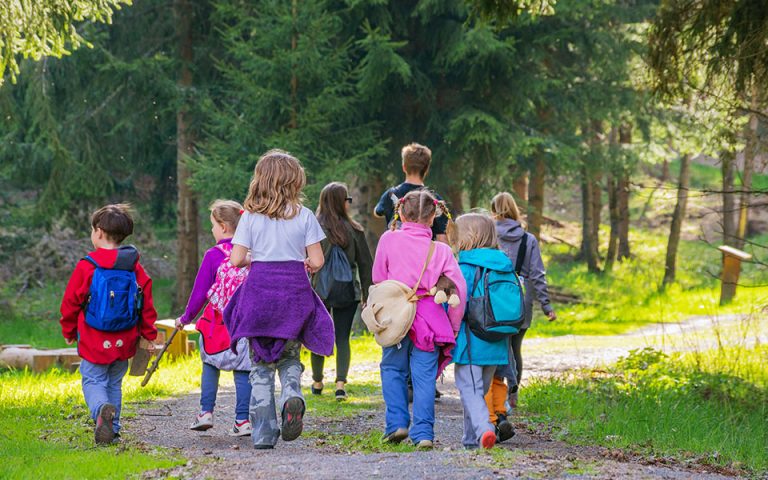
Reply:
x=487, y=258
x=123, y=258
x=509, y=230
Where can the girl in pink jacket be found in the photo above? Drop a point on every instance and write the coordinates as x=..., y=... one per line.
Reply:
x=426, y=350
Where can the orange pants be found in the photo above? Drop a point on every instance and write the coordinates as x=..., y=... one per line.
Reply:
x=495, y=398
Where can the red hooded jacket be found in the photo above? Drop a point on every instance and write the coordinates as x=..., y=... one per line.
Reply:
x=94, y=345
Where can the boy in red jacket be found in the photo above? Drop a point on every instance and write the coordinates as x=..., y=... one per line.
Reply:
x=107, y=320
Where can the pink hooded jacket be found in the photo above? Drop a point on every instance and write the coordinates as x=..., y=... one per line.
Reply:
x=400, y=256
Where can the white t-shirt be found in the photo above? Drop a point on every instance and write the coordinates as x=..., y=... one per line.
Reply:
x=278, y=240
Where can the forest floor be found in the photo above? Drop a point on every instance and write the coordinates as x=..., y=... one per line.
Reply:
x=343, y=440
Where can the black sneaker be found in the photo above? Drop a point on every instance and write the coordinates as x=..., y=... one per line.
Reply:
x=104, y=433
x=341, y=395
x=504, y=429
x=293, y=415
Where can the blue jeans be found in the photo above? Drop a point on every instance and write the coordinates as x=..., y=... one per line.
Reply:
x=104, y=384
x=209, y=387
x=396, y=362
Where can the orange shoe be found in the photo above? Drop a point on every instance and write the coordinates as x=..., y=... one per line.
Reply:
x=488, y=440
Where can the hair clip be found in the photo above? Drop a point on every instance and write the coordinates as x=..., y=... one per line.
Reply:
x=242, y=211
x=436, y=202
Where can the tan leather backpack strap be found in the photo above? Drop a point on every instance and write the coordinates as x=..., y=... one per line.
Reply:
x=424, y=269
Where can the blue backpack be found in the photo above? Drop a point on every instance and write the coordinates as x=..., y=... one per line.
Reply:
x=499, y=310
x=114, y=301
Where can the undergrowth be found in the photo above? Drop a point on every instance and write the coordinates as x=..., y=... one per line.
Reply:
x=708, y=407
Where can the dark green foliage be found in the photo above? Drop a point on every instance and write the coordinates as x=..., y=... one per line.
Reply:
x=712, y=45
x=99, y=124
x=288, y=80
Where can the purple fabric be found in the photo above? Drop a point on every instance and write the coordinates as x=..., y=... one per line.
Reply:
x=275, y=304
x=204, y=279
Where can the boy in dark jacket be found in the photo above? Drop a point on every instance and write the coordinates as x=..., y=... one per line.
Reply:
x=105, y=353
x=416, y=161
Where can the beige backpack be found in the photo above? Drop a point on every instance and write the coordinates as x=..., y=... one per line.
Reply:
x=391, y=308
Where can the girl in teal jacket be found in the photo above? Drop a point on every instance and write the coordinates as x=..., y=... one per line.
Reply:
x=476, y=359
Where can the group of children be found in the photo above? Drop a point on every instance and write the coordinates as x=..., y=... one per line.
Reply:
x=255, y=290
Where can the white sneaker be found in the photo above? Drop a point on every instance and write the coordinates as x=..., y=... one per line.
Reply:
x=242, y=429
x=203, y=421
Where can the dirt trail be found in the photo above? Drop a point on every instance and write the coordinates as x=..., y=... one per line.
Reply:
x=315, y=455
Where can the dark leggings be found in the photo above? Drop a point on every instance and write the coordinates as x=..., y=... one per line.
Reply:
x=342, y=322
x=516, y=342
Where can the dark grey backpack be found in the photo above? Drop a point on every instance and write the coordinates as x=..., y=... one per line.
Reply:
x=335, y=282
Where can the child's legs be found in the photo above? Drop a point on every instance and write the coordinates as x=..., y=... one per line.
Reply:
x=94, y=380
x=116, y=372
x=318, y=362
x=495, y=398
x=289, y=368
x=342, y=322
x=424, y=375
x=242, y=394
x=394, y=387
x=209, y=387
x=517, y=344
x=473, y=381
x=262, y=405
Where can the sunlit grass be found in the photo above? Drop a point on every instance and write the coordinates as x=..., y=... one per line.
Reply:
x=629, y=296
x=710, y=406
x=47, y=432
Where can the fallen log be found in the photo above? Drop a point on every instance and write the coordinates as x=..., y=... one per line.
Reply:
x=24, y=356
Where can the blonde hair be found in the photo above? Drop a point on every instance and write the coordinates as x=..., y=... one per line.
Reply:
x=504, y=206
x=227, y=212
x=475, y=230
x=416, y=159
x=418, y=206
x=275, y=190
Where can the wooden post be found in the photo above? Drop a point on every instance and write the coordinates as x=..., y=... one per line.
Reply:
x=729, y=278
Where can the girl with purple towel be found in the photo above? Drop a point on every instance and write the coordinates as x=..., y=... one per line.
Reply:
x=276, y=308
x=214, y=350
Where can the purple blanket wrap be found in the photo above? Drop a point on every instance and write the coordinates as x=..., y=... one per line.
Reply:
x=275, y=304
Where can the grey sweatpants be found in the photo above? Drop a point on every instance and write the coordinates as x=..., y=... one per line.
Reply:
x=266, y=429
x=473, y=382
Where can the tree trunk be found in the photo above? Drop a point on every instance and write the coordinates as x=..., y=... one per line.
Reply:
x=622, y=196
x=365, y=194
x=294, y=79
x=455, y=196
x=536, y=196
x=677, y=222
x=520, y=183
x=187, y=220
x=588, y=247
x=750, y=150
x=729, y=198
x=597, y=209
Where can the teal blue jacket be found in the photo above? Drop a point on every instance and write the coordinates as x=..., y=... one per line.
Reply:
x=483, y=353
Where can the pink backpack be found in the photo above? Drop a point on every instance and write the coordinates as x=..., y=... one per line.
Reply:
x=228, y=279
x=211, y=324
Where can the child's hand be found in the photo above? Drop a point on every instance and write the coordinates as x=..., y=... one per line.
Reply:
x=69, y=341
x=179, y=325
x=151, y=347
x=310, y=268
x=552, y=316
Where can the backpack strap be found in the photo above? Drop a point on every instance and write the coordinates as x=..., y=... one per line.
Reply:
x=521, y=254
x=423, y=269
x=223, y=250
x=90, y=260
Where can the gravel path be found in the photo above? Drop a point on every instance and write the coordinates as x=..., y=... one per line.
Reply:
x=319, y=454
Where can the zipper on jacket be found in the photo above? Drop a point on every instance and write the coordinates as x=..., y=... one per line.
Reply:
x=111, y=298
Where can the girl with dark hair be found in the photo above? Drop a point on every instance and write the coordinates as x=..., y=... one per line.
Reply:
x=343, y=232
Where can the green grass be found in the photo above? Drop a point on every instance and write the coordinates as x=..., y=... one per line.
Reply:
x=368, y=442
x=709, y=407
x=47, y=432
x=629, y=296
x=710, y=177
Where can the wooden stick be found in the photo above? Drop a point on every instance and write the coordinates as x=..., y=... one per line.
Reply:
x=152, y=369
